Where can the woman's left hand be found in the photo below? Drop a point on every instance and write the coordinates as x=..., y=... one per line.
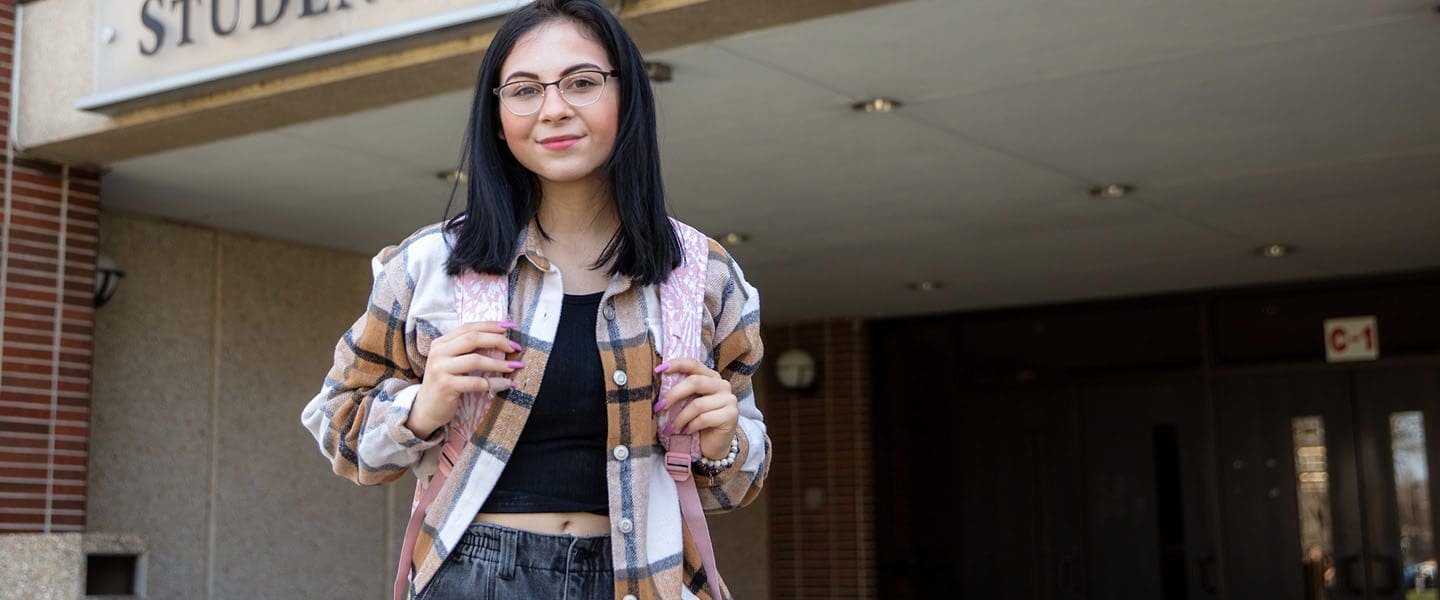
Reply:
x=713, y=410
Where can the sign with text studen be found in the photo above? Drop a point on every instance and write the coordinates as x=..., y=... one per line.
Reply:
x=1351, y=338
x=146, y=47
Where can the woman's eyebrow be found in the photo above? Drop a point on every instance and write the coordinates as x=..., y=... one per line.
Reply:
x=568, y=71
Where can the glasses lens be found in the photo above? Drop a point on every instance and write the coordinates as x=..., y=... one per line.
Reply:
x=582, y=88
x=523, y=97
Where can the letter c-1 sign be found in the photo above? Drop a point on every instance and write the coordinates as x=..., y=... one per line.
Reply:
x=1351, y=338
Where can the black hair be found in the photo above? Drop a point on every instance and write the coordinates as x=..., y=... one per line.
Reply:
x=502, y=195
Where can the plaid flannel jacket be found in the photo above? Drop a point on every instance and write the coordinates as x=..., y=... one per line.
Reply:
x=358, y=417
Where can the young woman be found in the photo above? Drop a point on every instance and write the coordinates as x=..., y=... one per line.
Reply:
x=564, y=492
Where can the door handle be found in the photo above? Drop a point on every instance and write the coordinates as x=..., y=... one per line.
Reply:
x=1069, y=576
x=1205, y=572
x=1390, y=567
x=1354, y=582
x=1066, y=576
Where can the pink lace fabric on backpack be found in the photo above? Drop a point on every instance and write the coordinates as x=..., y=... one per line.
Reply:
x=682, y=305
x=478, y=298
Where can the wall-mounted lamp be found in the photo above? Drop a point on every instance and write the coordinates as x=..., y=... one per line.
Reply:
x=659, y=72
x=107, y=278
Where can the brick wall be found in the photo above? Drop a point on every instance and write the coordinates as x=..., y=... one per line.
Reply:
x=820, y=486
x=47, y=266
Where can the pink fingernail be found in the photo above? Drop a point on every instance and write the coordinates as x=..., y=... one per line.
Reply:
x=668, y=426
x=515, y=364
x=509, y=325
x=662, y=368
x=659, y=406
x=515, y=346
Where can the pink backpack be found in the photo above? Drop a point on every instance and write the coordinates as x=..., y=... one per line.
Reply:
x=682, y=304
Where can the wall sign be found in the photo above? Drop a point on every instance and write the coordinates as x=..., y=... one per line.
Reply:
x=145, y=48
x=1351, y=338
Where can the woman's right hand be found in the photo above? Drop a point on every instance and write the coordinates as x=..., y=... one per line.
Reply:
x=470, y=348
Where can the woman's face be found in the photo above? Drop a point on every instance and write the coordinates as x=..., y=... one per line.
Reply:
x=548, y=53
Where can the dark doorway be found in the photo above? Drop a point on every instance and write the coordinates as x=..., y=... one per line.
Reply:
x=1144, y=449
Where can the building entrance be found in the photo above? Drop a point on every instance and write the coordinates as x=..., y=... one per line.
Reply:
x=1186, y=447
x=1327, y=483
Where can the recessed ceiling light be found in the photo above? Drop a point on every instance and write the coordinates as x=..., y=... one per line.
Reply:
x=876, y=105
x=1275, y=250
x=734, y=238
x=926, y=286
x=450, y=176
x=659, y=72
x=1113, y=190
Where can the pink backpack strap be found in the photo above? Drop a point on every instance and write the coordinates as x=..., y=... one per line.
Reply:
x=682, y=305
x=477, y=298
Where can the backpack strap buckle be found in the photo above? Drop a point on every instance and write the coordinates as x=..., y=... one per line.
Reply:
x=677, y=456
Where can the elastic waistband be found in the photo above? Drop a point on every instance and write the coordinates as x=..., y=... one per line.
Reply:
x=510, y=547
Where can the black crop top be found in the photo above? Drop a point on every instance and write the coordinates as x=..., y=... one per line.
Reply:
x=558, y=464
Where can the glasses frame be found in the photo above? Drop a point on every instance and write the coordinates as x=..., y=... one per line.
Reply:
x=604, y=79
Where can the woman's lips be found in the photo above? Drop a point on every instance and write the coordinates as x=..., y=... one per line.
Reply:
x=560, y=144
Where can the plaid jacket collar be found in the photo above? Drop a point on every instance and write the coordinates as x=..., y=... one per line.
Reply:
x=528, y=246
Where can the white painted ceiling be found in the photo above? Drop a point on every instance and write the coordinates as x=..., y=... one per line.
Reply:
x=1307, y=122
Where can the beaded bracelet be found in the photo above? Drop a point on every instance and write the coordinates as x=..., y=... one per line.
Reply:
x=711, y=468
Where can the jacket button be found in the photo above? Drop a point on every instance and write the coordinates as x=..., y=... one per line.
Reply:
x=621, y=452
x=608, y=311
x=626, y=526
x=620, y=378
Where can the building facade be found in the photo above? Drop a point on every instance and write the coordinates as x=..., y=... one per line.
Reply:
x=1125, y=302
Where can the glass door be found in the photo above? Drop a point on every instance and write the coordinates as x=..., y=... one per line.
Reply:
x=1326, y=485
x=1289, y=487
x=1399, y=419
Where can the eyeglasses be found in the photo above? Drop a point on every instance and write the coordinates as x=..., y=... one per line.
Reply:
x=524, y=98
